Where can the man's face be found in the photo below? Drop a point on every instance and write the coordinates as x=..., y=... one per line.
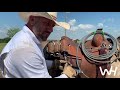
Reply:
x=43, y=27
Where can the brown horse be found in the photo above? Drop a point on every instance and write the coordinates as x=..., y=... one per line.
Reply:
x=88, y=68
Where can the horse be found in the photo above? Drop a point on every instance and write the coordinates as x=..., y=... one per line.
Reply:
x=74, y=53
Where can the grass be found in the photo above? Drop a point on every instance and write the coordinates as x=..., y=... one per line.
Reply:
x=2, y=46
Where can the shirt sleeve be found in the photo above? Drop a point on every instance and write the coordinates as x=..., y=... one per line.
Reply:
x=27, y=63
x=62, y=76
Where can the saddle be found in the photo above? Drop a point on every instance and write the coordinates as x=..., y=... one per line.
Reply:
x=91, y=69
x=67, y=49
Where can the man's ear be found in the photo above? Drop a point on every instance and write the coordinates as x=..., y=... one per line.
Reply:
x=31, y=20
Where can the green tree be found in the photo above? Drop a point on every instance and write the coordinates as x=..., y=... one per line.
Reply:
x=12, y=31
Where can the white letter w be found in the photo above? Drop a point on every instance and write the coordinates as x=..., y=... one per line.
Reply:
x=108, y=72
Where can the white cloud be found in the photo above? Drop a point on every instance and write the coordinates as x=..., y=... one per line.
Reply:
x=89, y=31
x=72, y=22
x=86, y=26
x=100, y=25
x=74, y=28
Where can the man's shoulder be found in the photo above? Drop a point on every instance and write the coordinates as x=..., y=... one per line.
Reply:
x=23, y=50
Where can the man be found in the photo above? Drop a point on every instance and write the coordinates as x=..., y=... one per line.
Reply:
x=25, y=57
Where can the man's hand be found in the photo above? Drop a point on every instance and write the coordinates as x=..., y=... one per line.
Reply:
x=60, y=64
x=69, y=71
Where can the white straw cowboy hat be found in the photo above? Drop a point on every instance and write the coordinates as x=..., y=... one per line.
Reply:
x=49, y=15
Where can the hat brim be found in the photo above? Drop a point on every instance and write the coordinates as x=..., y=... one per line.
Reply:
x=25, y=17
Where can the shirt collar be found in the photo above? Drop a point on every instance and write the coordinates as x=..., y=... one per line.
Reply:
x=26, y=29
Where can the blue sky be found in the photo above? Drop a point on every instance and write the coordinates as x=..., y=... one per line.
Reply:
x=82, y=23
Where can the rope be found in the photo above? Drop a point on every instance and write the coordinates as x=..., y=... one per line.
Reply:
x=97, y=59
x=101, y=58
